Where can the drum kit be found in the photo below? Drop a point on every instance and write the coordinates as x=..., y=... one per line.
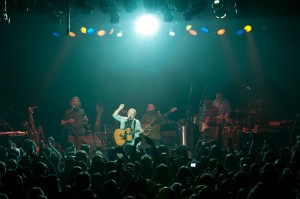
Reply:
x=241, y=122
x=101, y=139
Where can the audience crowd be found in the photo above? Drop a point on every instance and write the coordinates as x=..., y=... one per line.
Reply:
x=211, y=172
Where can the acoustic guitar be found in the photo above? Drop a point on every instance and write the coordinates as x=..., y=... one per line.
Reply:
x=122, y=136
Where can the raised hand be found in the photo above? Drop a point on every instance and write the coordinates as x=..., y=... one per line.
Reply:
x=121, y=106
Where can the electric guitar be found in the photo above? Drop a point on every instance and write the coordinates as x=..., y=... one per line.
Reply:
x=150, y=126
x=122, y=136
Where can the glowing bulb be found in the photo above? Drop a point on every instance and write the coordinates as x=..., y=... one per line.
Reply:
x=83, y=30
x=188, y=27
x=221, y=32
x=248, y=28
x=101, y=33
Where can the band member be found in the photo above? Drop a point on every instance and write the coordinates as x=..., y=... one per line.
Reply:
x=207, y=119
x=128, y=121
x=152, y=121
x=222, y=105
x=224, y=111
x=74, y=121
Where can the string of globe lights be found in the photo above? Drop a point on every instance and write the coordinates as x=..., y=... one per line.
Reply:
x=148, y=24
x=145, y=25
x=189, y=29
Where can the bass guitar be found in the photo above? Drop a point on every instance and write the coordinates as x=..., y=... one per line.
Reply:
x=122, y=136
x=150, y=126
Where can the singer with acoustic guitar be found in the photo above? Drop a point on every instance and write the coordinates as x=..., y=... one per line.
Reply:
x=130, y=127
x=74, y=123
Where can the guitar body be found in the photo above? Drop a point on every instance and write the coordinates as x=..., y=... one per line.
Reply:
x=122, y=136
x=147, y=132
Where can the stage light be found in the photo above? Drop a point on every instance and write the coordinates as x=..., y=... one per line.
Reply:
x=111, y=31
x=104, y=5
x=193, y=32
x=151, y=5
x=83, y=30
x=72, y=34
x=248, y=28
x=114, y=17
x=130, y=5
x=120, y=34
x=55, y=34
x=84, y=6
x=197, y=8
x=146, y=25
x=188, y=27
x=205, y=30
x=171, y=33
x=221, y=32
x=91, y=31
x=165, y=11
x=219, y=9
x=113, y=13
x=4, y=18
x=109, y=6
x=240, y=32
x=101, y=33
x=181, y=5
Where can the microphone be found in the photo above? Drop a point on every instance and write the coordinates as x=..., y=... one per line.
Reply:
x=248, y=88
x=72, y=108
x=34, y=107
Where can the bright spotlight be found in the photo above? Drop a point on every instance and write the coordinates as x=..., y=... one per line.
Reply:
x=146, y=25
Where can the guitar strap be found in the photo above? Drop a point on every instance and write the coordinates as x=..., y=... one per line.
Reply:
x=128, y=124
x=134, y=124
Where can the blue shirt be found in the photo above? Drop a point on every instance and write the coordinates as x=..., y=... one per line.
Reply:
x=135, y=126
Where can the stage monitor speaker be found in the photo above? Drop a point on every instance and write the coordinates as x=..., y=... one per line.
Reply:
x=169, y=139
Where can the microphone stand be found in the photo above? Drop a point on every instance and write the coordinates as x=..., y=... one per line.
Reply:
x=188, y=103
x=201, y=100
x=293, y=128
